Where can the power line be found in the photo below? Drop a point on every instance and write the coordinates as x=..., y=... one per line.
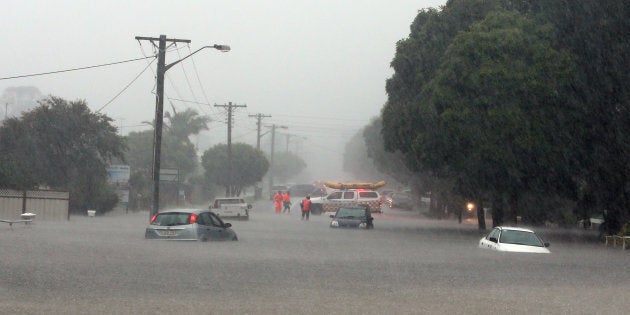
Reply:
x=127, y=86
x=186, y=76
x=198, y=79
x=75, y=69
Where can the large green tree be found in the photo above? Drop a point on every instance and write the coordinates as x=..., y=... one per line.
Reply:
x=501, y=113
x=248, y=167
x=556, y=124
x=62, y=145
x=596, y=32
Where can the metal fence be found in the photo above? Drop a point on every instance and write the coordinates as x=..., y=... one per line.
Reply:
x=50, y=205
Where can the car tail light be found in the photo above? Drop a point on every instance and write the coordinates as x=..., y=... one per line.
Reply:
x=193, y=218
x=153, y=218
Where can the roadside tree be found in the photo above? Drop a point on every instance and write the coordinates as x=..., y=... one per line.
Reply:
x=61, y=145
x=248, y=167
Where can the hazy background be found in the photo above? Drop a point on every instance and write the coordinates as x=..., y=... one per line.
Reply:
x=317, y=67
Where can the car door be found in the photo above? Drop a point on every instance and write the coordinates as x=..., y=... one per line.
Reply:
x=334, y=201
x=213, y=228
x=220, y=230
x=494, y=234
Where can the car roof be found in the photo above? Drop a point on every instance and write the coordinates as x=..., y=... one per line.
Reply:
x=514, y=228
x=183, y=210
x=362, y=207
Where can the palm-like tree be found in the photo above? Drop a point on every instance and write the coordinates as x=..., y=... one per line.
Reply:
x=181, y=125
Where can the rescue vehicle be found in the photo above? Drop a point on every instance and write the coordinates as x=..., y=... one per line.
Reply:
x=359, y=194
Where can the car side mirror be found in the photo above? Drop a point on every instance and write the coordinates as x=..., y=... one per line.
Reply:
x=547, y=244
x=493, y=239
x=227, y=225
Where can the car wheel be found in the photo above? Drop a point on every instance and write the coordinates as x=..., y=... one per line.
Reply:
x=317, y=209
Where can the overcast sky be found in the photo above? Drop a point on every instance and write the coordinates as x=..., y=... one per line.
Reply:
x=318, y=67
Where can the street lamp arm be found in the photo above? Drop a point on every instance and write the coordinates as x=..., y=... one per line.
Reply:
x=223, y=48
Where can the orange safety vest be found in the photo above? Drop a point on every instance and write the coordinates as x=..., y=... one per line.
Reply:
x=306, y=205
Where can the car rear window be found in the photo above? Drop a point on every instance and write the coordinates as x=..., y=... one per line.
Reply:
x=350, y=212
x=231, y=201
x=172, y=218
x=368, y=194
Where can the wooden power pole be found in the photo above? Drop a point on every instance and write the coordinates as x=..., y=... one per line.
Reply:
x=229, y=189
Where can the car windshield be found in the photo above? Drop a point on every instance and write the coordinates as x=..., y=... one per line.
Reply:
x=171, y=219
x=350, y=213
x=519, y=238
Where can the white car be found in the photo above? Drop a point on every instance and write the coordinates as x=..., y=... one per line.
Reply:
x=232, y=207
x=513, y=239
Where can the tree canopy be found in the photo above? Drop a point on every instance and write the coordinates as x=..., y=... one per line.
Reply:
x=62, y=145
x=248, y=166
x=513, y=98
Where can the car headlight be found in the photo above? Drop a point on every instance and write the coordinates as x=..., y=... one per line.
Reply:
x=362, y=225
x=334, y=223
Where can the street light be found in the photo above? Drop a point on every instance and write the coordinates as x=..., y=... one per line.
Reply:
x=470, y=206
x=162, y=67
x=222, y=48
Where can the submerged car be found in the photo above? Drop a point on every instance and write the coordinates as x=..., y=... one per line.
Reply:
x=401, y=201
x=352, y=217
x=513, y=239
x=232, y=207
x=189, y=224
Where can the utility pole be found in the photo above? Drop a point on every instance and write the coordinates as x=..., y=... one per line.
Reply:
x=288, y=135
x=273, y=143
x=162, y=67
x=229, y=191
x=259, y=117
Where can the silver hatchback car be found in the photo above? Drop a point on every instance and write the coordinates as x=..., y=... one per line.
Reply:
x=189, y=224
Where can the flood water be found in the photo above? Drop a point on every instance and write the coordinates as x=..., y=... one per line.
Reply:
x=282, y=265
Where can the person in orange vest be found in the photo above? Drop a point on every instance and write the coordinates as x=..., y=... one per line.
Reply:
x=277, y=199
x=306, y=207
x=286, y=202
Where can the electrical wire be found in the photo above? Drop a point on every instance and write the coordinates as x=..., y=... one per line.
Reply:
x=203, y=90
x=75, y=69
x=186, y=76
x=127, y=86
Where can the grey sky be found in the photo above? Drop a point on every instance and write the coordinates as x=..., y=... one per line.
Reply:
x=318, y=67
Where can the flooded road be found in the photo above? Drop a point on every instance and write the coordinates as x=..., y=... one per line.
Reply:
x=282, y=265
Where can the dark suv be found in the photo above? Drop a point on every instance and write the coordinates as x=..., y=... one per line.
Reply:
x=352, y=217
